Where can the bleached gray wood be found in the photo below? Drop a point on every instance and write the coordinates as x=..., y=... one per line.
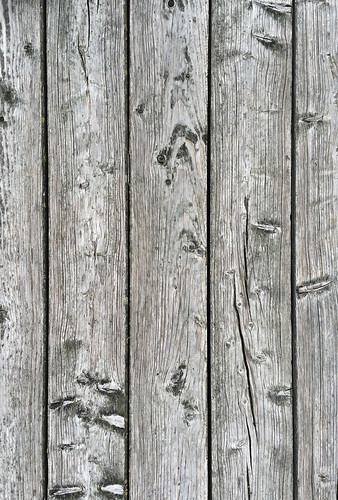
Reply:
x=316, y=130
x=168, y=338
x=250, y=250
x=22, y=306
x=86, y=103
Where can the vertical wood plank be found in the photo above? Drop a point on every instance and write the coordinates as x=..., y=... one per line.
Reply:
x=316, y=132
x=168, y=108
x=250, y=250
x=22, y=303
x=86, y=103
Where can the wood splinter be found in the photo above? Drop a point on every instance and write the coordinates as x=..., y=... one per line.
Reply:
x=115, y=489
x=314, y=287
x=70, y=490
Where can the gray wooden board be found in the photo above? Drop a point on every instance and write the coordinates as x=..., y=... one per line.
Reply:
x=22, y=303
x=168, y=343
x=250, y=277
x=87, y=202
x=316, y=114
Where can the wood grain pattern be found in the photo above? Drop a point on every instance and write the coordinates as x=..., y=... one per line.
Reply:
x=168, y=108
x=316, y=87
x=136, y=92
x=22, y=303
x=250, y=250
x=86, y=103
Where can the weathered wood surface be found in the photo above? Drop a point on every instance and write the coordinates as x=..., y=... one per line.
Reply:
x=257, y=217
x=251, y=376
x=22, y=302
x=316, y=128
x=87, y=141
x=168, y=346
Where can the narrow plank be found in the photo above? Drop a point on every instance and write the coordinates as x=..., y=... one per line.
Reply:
x=22, y=303
x=168, y=108
x=316, y=133
x=86, y=103
x=250, y=250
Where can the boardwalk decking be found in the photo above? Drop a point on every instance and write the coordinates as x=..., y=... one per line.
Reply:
x=168, y=260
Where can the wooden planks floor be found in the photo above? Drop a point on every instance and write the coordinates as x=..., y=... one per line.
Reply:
x=168, y=263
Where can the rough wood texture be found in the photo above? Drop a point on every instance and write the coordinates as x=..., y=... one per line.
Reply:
x=168, y=107
x=250, y=250
x=22, y=302
x=86, y=103
x=101, y=202
x=316, y=247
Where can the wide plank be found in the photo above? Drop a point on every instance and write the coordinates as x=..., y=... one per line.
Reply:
x=22, y=262
x=87, y=194
x=251, y=376
x=168, y=324
x=316, y=135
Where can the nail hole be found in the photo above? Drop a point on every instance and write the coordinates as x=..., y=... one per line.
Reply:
x=140, y=108
x=161, y=158
x=171, y=3
x=168, y=182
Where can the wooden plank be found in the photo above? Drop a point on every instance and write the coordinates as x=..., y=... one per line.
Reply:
x=250, y=250
x=316, y=131
x=22, y=303
x=86, y=102
x=168, y=108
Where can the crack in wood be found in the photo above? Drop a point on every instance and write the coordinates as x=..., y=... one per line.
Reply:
x=245, y=360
